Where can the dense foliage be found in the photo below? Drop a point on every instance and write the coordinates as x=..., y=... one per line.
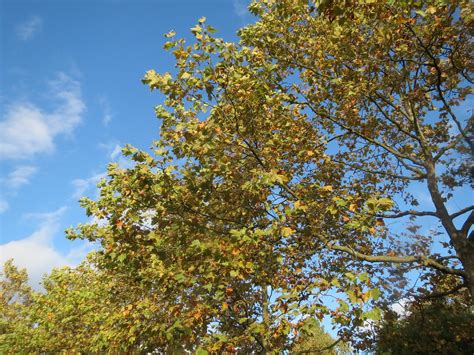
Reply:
x=441, y=325
x=264, y=205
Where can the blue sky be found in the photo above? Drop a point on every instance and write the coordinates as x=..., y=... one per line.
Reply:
x=70, y=97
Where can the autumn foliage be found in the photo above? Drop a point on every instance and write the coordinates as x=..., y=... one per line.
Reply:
x=266, y=205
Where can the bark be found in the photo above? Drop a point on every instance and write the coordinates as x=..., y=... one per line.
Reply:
x=463, y=245
x=266, y=319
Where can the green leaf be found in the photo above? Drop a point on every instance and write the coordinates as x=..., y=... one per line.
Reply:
x=374, y=294
x=169, y=45
x=196, y=244
x=201, y=351
x=374, y=314
x=364, y=277
x=343, y=306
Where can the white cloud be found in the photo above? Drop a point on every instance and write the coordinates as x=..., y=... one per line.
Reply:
x=28, y=29
x=3, y=206
x=401, y=307
x=37, y=252
x=20, y=176
x=28, y=130
x=107, y=112
x=81, y=186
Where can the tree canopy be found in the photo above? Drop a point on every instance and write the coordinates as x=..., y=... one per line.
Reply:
x=282, y=161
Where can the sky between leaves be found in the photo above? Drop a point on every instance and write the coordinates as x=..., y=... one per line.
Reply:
x=70, y=97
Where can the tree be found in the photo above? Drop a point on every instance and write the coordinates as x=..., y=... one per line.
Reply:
x=383, y=80
x=441, y=324
x=279, y=160
x=81, y=309
x=15, y=298
x=313, y=339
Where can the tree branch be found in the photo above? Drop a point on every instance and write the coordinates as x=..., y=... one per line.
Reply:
x=378, y=172
x=461, y=212
x=447, y=147
x=439, y=89
x=468, y=224
x=441, y=294
x=368, y=139
x=397, y=124
x=423, y=260
x=409, y=213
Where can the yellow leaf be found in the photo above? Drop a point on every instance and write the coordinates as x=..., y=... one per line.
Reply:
x=235, y=252
x=301, y=206
x=185, y=75
x=287, y=231
x=327, y=188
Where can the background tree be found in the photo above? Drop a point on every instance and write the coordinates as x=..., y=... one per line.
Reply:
x=441, y=323
x=313, y=339
x=15, y=300
x=81, y=309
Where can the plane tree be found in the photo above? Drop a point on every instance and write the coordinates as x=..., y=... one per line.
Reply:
x=264, y=202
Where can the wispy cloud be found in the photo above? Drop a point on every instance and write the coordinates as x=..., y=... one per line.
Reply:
x=20, y=176
x=3, y=206
x=240, y=8
x=37, y=252
x=106, y=110
x=28, y=130
x=114, y=153
x=81, y=186
x=9, y=185
x=28, y=29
